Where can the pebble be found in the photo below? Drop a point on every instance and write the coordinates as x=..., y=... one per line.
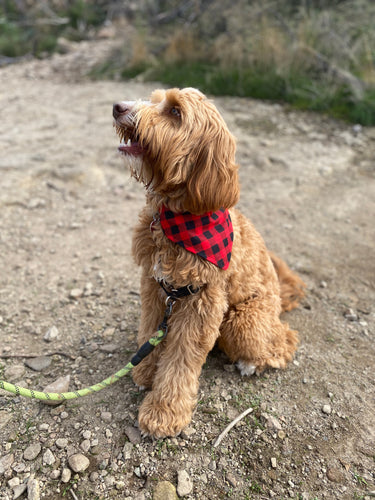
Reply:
x=188, y=432
x=231, y=479
x=5, y=463
x=19, y=490
x=165, y=491
x=335, y=475
x=184, y=483
x=32, y=451
x=78, y=462
x=61, y=443
x=5, y=417
x=273, y=462
x=327, y=409
x=110, y=348
x=106, y=416
x=66, y=475
x=15, y=481
x=273, y=423
x=51, y=334
x=14, y=372
x=33, y=491
x=48, y=457
x=85, y=445
x=133, y=434
x=59, y=385
x=127, y=451
x=76, y=293
x=350, y=315
x=39, y=363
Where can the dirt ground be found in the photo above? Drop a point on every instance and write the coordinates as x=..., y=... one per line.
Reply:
x=67, y=210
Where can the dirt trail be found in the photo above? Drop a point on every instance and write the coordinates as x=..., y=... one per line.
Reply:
x=67, y=210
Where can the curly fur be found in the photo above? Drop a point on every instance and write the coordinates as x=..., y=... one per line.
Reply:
x=183, y=152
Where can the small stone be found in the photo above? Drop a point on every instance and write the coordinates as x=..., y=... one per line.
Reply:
x=281, y=435
x=127, y=451
x=44, y=427
x=231, y=479
x=86, y=434
x=85, y=445
x=327, y=409
x=133, y=434
x=55, y=474
x=61, y=443
x=5, y=418
x=335, y=475
x=14, y=372
x=15, y=481
x=59, y=385
x=39, y=363
x=109, y=348
x=6, y=462
x=350, y=315
x=51, y=334
x=78, y=462
x=188, y=432
x=33, y=492
x=273, y=462
x=66, y=475
x=19, y=491
x=48, y=457
x=273, y=423
x=165, y=491
x=32, y=451
x=184, y=483
x=76, y=293
x=94, y=476
x=106, y=416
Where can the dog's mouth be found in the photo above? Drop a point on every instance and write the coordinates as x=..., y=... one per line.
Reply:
x=129, y=145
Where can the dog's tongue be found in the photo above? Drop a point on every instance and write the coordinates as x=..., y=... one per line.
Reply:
x=131, y=148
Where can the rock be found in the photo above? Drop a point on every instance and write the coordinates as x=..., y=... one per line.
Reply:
x=133, y=434
x=33, y=492
x=273, y=462
x=273, y=423
x=48, y=457
x=165, y=491
x=78, y=462
x=231, y=479
x=188, y=432
x=127, y=451
x=15, y=481
x=32, y=451
x=51, y=334
x=110, y=348
x=19, y=490
x=59, y=385
x=350, y=315
x=76, y=293
x=327, y=409
x=39, y=363
x=5, y=418
x=14, y=372
x=85, y=445
x=6, y=462
x=335, y=475
x=106, y=416
x=55, y=474
x=66, y=475
x=61, y=443
x=184, y=483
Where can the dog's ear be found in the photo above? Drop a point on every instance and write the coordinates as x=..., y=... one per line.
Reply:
x=213, y=182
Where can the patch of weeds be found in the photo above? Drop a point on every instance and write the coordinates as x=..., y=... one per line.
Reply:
x=69, y=486
x=359, y=479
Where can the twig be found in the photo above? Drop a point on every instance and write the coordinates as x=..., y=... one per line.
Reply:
x=8, y=356
x=232, y=424
x=73, y=494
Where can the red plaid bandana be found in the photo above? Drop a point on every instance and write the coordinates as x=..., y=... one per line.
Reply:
x=209, y=235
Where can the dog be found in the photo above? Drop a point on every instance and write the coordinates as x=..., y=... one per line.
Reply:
x=190, y=237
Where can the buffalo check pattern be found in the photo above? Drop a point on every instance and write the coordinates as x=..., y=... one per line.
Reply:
x=209, y=235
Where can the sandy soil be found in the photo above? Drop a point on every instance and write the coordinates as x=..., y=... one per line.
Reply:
x=67, y=212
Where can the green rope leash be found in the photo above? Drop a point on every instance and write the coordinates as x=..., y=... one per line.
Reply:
x=144, y=350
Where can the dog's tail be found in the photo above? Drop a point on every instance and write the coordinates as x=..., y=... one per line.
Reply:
x=292, y=288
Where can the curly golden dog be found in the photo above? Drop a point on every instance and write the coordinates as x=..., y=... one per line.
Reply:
x=189, y=237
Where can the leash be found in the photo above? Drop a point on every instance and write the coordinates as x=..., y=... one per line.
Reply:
x=173, y=294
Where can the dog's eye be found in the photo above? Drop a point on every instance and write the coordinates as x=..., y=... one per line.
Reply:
x=175, y=111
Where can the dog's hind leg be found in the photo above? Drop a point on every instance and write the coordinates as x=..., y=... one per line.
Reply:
x=253, y=335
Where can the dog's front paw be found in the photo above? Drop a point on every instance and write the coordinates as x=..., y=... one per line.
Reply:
x=159, y=420
x=246, y=368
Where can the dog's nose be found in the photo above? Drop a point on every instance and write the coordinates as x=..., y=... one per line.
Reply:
x=120, y=108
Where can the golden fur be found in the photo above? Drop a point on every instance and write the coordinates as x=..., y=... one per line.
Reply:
x=184, y=154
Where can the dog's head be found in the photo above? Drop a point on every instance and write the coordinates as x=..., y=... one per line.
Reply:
x=179, y=146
